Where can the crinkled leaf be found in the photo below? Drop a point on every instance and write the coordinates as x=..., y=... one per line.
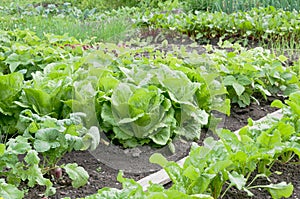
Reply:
x=140, y=113
x=77, y=174
x=47, y=138
x=92, y=139
x=32, y=157
x=19, y=145
x=162, y=136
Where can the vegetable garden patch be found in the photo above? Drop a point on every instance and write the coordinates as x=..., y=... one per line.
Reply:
x=73, y=113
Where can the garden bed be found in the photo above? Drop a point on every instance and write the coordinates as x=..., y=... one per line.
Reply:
x=102, y=175
x=103, y=172
x=160, y=84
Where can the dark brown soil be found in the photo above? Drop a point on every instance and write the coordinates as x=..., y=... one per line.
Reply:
x=290, y=174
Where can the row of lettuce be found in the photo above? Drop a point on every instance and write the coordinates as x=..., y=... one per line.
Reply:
x=259, y=24
x=57, y=93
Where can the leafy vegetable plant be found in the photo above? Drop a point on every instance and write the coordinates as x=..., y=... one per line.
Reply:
x=258, y=24
x=147, y=101
x=44, y=142
x=250, y=73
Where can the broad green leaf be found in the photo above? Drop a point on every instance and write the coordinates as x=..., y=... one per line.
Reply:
x=155, y=187
x=229, y=80
x=237, y=179
x=282, y=58
x=293, y=102
x=280, y=190
x=230, y=140
x=175, y=172
x=201, y=184
x=34, y=176
x=251, y=67
x=244, y=80
x=239, y=89
x=8, y=191
x=175, y=194
x=159, y=159
x=240, y=156
x=157, y=195
x=77, y=174
x=269, y=140
x=130, y=187
x=244, y=99
x=295, y=97
x=223, y=107
x=14, y=60
x=108, y=83
x=99, y=59
x=295, y=147
x=10, y=87
x=2, y=149
x=107, y=117
x=139, y=113
x=41, y=145
x=180, y=88
x=264, y=91
x=277, y=103
x=286, y=130
x=219, y=166
x=39, y=100
x=191, y=172
x=294, y=106
x=216, y=185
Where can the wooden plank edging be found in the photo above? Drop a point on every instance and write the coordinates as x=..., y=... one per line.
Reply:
x=161, y=177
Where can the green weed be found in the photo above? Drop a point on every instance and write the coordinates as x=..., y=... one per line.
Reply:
x=110, y=29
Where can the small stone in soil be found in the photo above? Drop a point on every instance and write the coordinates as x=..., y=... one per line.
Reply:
x=135, y=152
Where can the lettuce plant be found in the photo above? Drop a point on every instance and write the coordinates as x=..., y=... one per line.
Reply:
x=149, y=104
x=139, y=115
